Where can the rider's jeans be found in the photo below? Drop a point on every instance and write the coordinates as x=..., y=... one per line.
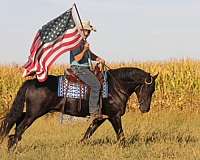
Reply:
x=91, y=80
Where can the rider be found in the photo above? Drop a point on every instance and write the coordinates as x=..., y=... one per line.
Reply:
x=79, y=62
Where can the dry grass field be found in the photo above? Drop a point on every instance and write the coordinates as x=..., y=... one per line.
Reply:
x=169, y=131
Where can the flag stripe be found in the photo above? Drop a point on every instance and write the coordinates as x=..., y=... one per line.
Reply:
x=48, y=56
x=48, y=46
x=63, y=51
x=41, y=75
x=35, y=49
x=47, y=60
x=54, y=49
x=65, y=38
x=35, y=44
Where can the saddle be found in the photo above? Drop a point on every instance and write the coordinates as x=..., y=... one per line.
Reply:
x=72, y=77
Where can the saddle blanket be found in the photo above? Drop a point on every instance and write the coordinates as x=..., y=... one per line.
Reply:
x=74, y=90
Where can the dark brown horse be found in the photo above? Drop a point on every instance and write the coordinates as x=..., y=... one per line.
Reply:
x=41, y=98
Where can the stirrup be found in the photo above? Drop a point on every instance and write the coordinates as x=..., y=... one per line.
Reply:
x=103, y=116
x=98, y=116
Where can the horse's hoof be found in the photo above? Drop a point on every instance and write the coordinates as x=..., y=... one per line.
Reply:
x=122, y=143
x=83, y=141
x=12, y=149
x=12, y=144
x=1, y=140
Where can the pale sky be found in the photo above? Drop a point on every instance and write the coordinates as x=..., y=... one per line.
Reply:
x=126, y=29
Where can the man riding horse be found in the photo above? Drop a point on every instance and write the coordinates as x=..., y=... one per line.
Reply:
x=80, y=65
x=39, y=96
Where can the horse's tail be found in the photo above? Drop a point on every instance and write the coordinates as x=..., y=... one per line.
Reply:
x=15, y=112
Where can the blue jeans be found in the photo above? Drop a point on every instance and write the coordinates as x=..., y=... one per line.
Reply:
x=91, y=80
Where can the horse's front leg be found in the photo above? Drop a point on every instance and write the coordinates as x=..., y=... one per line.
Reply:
x=92, y=128
x=117, y=125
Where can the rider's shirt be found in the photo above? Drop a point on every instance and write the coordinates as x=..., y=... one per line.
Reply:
x=84, y=61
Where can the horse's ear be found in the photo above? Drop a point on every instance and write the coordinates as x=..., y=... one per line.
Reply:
x=155, y=76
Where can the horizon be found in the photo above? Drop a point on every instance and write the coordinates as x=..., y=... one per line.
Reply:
x=118, y=62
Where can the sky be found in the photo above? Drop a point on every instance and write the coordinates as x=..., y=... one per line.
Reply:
x=128, y=30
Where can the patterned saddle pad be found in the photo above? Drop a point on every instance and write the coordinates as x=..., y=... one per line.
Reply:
x=70, y=89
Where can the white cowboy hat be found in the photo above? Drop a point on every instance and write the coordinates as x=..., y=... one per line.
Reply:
x=88, y=26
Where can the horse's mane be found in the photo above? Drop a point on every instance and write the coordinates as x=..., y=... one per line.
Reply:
x=129, y=73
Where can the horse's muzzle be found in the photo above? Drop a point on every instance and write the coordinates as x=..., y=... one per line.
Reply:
x=144, y=109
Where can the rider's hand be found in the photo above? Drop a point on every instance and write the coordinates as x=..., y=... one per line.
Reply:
x=100, y=60
x=86, y=46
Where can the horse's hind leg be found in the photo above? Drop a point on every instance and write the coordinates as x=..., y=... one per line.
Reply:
x=10, y=123
x=18, y=121
x=92, y=128
x=20, y=128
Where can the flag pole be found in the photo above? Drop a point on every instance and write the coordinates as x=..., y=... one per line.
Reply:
x=80, y=20
x=90, y=62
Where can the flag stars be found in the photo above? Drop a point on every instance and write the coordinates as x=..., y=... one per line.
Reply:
x=57, y=27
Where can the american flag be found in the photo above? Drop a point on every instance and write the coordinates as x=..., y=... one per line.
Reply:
x=55, y=38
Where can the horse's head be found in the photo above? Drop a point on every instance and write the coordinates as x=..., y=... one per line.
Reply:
x=136, y=80
x=144, y=92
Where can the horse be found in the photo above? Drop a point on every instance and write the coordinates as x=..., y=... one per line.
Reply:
x=41, y=98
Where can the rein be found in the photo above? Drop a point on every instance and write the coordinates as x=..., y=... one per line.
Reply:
x=4, y=116
x=117, y=82
x=141, y=86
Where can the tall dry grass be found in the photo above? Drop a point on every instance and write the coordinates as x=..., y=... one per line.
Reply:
x=169, y=131
x=178, y=82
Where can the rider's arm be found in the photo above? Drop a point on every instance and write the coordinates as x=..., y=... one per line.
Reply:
x=80, y=54
x=94, y=57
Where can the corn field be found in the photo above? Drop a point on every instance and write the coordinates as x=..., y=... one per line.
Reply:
x=178, y=83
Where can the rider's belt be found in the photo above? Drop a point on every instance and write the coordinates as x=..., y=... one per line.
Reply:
x=79, y=66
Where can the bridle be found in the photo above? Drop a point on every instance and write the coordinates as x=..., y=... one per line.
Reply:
x=141, y=87
x=148, y=83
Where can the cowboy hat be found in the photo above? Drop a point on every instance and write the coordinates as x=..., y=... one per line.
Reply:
x=88, y=26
